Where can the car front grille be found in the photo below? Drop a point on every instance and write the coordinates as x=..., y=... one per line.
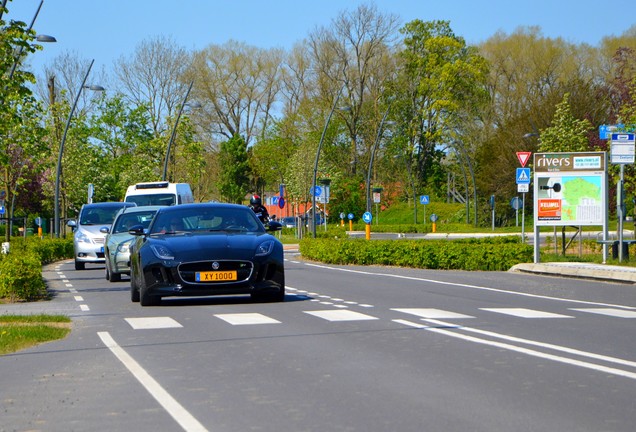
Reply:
x=187, y=271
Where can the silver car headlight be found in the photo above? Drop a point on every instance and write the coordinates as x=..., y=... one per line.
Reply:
x=265, y=248
x=123, y=247
x=82, y=237
x=162, y=252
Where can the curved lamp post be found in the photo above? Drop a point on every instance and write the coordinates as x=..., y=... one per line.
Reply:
x=174, y=132
x=56, y=221
x=322, y=138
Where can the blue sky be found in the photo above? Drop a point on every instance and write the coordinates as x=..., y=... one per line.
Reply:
x=105, y=30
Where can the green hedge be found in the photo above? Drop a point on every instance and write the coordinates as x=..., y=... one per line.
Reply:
x=490, y=253
x=21, y=268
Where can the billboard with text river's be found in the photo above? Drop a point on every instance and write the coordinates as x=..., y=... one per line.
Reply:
x=570, y=188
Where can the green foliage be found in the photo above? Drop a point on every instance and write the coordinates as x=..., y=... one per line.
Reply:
x=567, y=134
x=21, y=268
x=493, y=253
x=21, y=277
x=234, y=178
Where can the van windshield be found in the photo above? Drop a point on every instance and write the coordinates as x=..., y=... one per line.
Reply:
x=166, y=199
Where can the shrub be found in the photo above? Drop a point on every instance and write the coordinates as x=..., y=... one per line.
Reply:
x=489, y=253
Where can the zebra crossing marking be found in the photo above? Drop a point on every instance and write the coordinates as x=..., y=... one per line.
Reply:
x=247, y=319
x=340, y=315
x=152, y=323
x=432, y=313
x=525, y=313
x=617, y=313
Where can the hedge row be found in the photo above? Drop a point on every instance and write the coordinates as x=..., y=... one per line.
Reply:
x=491, y=253
x=21, y=268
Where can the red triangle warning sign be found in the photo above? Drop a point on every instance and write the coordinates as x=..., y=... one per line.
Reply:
x=523, y=157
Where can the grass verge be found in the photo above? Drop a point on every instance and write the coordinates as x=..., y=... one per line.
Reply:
x=18, y=332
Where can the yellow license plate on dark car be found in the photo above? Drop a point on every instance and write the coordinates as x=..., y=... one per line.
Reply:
x=215, y=276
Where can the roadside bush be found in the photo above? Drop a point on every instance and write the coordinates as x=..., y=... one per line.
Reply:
x=21, y=277
x=489, y=253
x=21, y=268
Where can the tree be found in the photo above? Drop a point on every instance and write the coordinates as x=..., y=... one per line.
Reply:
x=20, y=130
x=440, y=80
x=237, y=85
x=567, y=133
x=235, y=172
x=153, y=78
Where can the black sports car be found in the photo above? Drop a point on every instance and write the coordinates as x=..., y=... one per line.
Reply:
x=206, y=249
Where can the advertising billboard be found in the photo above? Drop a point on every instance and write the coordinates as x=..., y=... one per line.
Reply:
x=570, y=188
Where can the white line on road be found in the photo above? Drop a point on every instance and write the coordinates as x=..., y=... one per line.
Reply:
x=84, y=308
x=436, y=328
x=174, y=408
x=462, y=285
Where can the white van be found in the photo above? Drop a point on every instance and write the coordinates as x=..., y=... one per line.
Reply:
x=159, y=193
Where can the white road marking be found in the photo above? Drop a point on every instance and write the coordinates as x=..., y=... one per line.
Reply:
x=609, y=312
x=84, y=308
x=462, y=285
x=432, y=313
x=340, y=315
x=525, y=313
x=72, y=291
x=247, y=318
x=78, y=298
x=174, y=408
x=437, y=328
x=152, y=323
x=68, y=285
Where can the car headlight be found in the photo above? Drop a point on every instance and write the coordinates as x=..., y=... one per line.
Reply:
x=123, y=247
x=265, y=248
x=82, y=237
x=162, y=252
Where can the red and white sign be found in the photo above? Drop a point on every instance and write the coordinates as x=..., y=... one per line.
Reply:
x=523, y=157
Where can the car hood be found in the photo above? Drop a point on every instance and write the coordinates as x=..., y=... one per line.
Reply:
x=216, y=245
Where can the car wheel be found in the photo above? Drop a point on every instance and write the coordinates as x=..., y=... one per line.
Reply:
x=145, y=299
x=269, y=297
x=107, y=272
x=79, y=265
x=134, y=291
x=115, y=277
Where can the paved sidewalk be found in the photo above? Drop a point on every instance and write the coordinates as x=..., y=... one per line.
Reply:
x=603, y=272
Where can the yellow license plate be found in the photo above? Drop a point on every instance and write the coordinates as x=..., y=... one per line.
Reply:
x=215, y=276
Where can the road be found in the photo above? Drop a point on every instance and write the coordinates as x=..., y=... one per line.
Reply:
x=351, y=349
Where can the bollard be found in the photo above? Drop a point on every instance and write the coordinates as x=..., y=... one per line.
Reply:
x=367, y=231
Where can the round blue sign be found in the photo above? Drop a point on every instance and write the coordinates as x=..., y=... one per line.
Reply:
x=367, y=216
x=350, y=216
x=342, y=215
x=433, y=218
x=281, y=202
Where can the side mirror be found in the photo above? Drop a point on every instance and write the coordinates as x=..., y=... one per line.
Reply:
x=72, y=223
x=136, y=230
x=104, y=230
x=274, y=226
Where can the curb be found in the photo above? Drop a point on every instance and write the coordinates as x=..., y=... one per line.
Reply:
x=580, y=270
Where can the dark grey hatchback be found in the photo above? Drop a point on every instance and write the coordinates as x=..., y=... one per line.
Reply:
x=203, y=250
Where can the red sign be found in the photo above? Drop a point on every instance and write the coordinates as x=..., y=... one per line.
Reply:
x=523, y=157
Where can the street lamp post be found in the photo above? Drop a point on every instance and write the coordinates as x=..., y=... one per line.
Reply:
x=174, y=132
x=373, y=149
x=58, y=171
x=322, y=138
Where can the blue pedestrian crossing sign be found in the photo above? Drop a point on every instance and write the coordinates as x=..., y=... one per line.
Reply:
x=424, y=199
x=523, y=175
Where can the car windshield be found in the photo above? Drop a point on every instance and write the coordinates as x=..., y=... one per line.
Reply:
x=125, y=221
x=166, y=199
x=206, y=219
x=98, y=215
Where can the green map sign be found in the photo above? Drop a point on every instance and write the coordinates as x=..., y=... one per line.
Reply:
x=570, y=189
